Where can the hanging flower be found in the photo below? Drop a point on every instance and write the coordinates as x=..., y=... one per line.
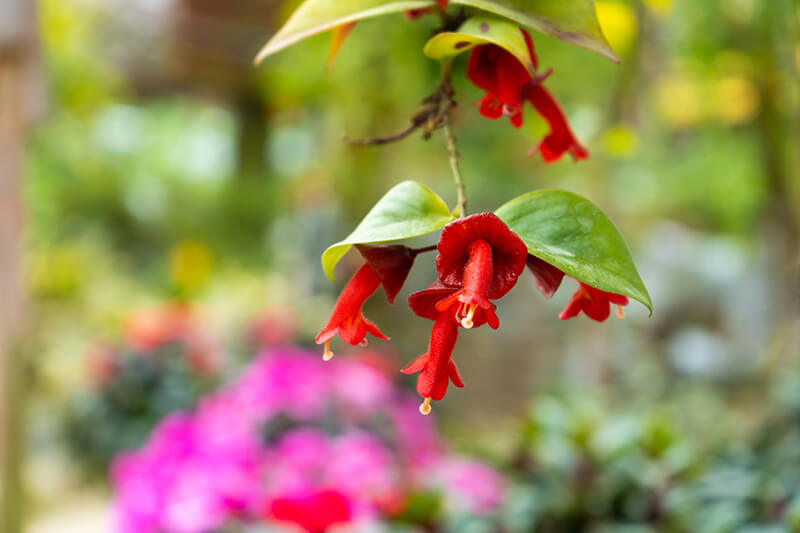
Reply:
x=596, y=304
x=481, y=257
x=502, y=76
x=385, y=265
x=560, y=140
x=436, y=367
x=508, y=84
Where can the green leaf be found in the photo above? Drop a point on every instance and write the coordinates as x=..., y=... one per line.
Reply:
x=477, y=30
x=574, y=235
x=572, y=21
x=409, y=209
x=315, y=16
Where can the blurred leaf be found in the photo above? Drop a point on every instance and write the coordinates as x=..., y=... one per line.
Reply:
x=315, y=16
x=571, y=233
x=571, y=21
x=338, y=36
x=481, y=30
x=409, y=209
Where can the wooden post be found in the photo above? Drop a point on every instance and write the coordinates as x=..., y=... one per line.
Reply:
x=18, y=54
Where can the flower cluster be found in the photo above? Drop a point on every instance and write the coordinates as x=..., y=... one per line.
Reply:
x=508, y=85
x=479, y=260
x=296, y=442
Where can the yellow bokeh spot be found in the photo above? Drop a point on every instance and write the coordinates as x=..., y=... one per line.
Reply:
x=737, y=100
x=660, y=8
x=190, y=265
x=621, y=140
x=619, y=25
x=678, y=102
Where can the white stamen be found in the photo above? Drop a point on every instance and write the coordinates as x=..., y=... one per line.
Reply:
x=425, y=407
x=327, y=355
x=467, y=322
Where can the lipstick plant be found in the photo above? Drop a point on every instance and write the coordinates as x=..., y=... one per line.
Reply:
x=550, y=233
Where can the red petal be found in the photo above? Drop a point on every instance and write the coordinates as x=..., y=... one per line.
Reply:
x=547, y=276
x=574, y=306
x=436, y=299
x=443, y=4
x=373, y=330
x=455, y=377
x=560, y=139
x=498, y=72
x=531, y=49
x=416, y=365
x=516, y=119
x=391, y=263
x=346, y=318
x=491, y=107
x=508, y=251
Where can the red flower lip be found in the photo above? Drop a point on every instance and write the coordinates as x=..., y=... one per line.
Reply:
x=508, y=252
x=425, y=303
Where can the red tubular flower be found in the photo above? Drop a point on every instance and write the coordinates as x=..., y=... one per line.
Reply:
x=502, y=76
x=436, y=368
x=594, y=302
x=482, y=257
x=508, y=84
x=560, y=139
x=314, y=513
x=385, y=265
x=346, y=319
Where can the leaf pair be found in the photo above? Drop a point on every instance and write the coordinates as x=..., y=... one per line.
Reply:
x=559, y=227
x=572, y=21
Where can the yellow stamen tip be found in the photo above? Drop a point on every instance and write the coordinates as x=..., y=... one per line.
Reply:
x=327, y=355
x=425, y=408
x=467, y=323
x=620, y=312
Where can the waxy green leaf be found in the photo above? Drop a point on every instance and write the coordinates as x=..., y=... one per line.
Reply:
x=315, y=16
x=572, y=21
x=481, y=30
x=408, y=210
x=574, y=235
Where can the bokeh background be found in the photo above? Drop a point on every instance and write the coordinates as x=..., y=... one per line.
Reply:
x=174, y=200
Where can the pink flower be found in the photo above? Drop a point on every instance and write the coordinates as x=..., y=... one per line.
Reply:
x=470, y=486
